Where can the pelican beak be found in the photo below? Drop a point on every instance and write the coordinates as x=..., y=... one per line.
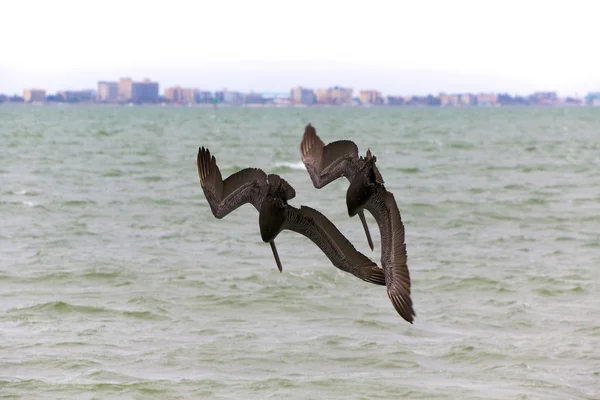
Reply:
x=361, y=214
x=276, y=255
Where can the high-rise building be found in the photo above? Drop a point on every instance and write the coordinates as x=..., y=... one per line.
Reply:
x=125, y=89
x=300, y=95
x=448, y=99
x=144, y=92
x=370, y=97
x=254, y=98
x=203, y=96
x=466, y=99
x=219, y=96
x=177, y=94
x=174, y=94
x=232, y=97
x=34, y=95
x=323, y=96
x=340, y=95
x=108, y=91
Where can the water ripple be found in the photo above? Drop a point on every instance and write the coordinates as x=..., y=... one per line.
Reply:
x=116, y=280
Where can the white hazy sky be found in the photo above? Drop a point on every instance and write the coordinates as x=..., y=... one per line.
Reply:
x=396, y=46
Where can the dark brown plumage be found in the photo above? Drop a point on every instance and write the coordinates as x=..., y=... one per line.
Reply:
x=325, y=163
x=269, y=195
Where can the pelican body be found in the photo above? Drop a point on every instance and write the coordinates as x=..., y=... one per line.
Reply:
x=325, y=163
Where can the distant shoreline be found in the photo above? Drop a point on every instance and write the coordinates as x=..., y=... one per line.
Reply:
x=167, y=105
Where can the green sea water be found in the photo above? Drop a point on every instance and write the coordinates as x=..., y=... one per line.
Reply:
x=116, y=281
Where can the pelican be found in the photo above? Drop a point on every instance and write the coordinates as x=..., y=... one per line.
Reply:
x=325, y=163
x=269, y=194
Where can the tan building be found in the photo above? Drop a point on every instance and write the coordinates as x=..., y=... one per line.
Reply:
x=487, y=99
x=108, y=91
x=34, y=95
x=340, y=95
x=448, y=99
x=466, y=99
x=145, y=91
x=174, y=94
x=323, y=96
x=443, y=99
x=125, y=89
x=177, y=94
x=300, y=95
x=370, y=97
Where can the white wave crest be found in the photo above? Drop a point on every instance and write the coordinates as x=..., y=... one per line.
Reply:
x=22, y=192
x=292, y=165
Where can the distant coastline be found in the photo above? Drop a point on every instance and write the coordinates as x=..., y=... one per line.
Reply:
x=126, y=91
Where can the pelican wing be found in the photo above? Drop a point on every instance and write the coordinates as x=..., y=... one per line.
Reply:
x=224, y=196
x=397, y=276
x=326, y=163
x=342, y=254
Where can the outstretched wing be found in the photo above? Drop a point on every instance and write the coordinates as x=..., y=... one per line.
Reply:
x=397, y=276
x=224, y=196
x=342, y=254
x=326, y=163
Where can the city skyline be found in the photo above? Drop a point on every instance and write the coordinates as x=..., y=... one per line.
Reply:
x=416, y=83
x=147, y=91
x=399, y=47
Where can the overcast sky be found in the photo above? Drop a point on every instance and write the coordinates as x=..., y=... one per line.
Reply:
x=398, y=47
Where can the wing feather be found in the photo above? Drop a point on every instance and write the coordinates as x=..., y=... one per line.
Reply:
x=224, y=196
x=396, y=271
x=326, y=163
x=342, y=254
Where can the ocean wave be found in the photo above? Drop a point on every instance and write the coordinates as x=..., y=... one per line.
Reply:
x=299, y=165
x=23, y=192
x=61, y=307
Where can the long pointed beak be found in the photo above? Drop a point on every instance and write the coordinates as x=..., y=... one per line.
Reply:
x=276, y=255
x=361, y=214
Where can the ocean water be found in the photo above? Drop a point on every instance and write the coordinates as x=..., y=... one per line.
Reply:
x=117, y=282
